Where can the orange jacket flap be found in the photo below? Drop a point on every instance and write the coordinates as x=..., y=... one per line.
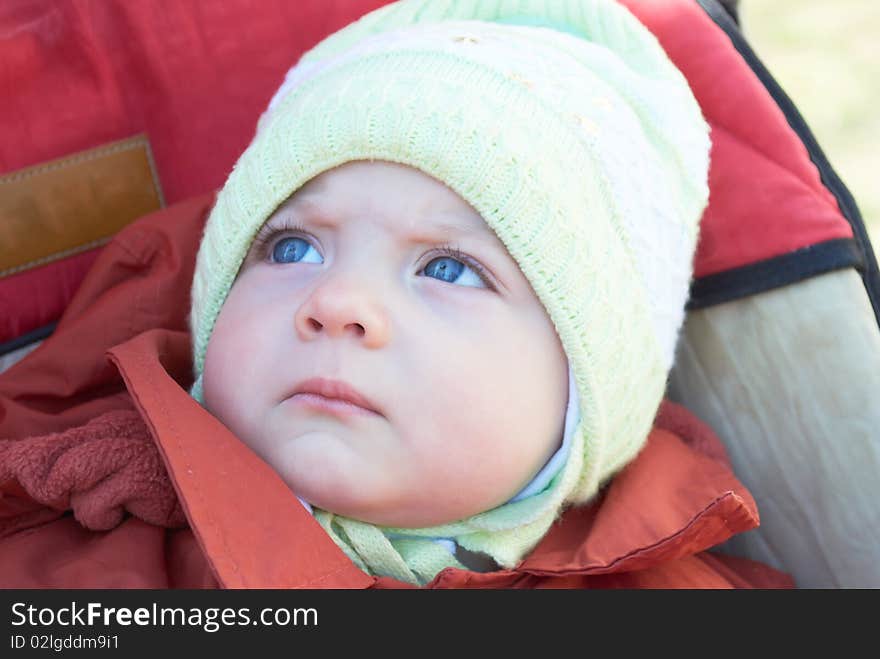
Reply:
x=251, y=527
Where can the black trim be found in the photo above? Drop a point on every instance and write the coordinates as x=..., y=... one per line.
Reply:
x=732, y=9
x=867, y=260
x=774, y=273
x=26, y=339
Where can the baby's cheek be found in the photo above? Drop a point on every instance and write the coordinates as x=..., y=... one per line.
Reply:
x=465, y=403
x=526, y=378
x=226, y=381
x=217, y=395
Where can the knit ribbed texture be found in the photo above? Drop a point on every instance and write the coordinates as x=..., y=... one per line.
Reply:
x=588, y=157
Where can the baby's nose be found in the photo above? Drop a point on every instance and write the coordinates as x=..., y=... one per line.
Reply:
x=344, y=307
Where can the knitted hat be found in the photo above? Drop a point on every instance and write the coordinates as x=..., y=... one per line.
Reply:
x=565, y=125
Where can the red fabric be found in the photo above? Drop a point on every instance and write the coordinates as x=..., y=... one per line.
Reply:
x=141, y=280
x=193, y=76
x=78, y=74
x=37, y=297
x=101, y=471
x=650, y=528
x=679, y=421
x=63, y=554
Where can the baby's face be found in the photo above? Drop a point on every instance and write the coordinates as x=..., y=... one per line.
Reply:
x=462, y=379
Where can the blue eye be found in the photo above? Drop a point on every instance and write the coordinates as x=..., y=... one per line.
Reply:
x=453, y=271
x=295, y=250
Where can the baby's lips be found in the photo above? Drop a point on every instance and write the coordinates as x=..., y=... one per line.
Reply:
x=335, y=390
x=329, y=406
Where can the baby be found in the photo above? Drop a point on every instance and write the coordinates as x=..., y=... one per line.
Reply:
x=441, y=290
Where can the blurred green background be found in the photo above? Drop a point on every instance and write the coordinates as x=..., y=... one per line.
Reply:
x=826, y=56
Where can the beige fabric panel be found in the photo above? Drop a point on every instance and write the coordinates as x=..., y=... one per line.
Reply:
x=790, y=381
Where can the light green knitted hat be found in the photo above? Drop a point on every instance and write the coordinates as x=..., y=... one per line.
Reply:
x=565, y=125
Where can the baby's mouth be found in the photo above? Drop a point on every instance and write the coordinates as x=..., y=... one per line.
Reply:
x=333, y=406
x=332, y=396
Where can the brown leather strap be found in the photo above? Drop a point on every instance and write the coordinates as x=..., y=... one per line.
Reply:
x=66, y=206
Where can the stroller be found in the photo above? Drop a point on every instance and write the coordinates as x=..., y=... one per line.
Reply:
x=121, y=110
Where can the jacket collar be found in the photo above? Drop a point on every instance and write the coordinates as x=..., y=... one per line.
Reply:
x=254, y=532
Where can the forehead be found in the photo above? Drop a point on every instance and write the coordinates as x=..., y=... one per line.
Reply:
x=398, y=197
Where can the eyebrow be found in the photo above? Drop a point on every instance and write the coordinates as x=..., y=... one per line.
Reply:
x=439, y=229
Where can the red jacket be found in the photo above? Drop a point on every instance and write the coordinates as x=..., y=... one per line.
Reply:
x=97, y=422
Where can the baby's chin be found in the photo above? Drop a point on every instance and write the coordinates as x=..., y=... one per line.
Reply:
x=423, y=505
x=396, y=508
x=341, y=471
x=339, y=487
